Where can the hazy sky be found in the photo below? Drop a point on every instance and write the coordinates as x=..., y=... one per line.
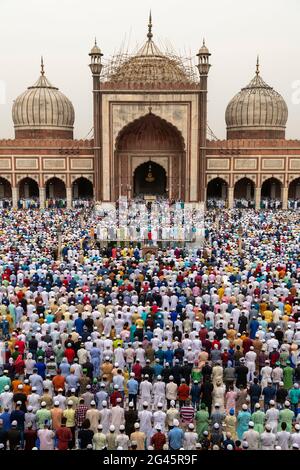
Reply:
x=63, y=32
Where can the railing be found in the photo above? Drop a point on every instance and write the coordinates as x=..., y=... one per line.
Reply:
x=244, y=203
x=55, y=203
x=29, y=203
x=5, y=203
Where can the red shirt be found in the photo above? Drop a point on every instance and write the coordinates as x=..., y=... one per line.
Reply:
x=70, y=354
x=158, y=440
x=64, y=435
x=183, y=392
x=114, y=396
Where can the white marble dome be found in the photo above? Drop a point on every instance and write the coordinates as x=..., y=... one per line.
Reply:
x=43, y=107
x=257, y=108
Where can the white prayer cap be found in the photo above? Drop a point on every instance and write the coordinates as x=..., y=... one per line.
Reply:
x=70, y=402
x=217, y=405
x=56, y=403
x=104, y=403
x=172, y=402
x=191, y=426
x=136, y=425
x=100, y=427
x=43, y=403
x=158, y=427
x=216, y=425
x=145, y=403
x=272, y=402
x=251, y=424
x=93, y=403
x=131, y=405
x=175, y=422
x=112, y=428
x=297, y=426
x=14, y=423
x=295, y=446
x=73, y=390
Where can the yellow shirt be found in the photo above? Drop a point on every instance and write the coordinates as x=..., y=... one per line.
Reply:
x=69, y=413
x=288, y=309
x=139, y=323
x=221, y=292
x=268, y=314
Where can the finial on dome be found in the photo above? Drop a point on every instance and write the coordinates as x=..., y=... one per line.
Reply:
x=150, y=35
x=203, y=42
x=257, y=65
x=42, y=66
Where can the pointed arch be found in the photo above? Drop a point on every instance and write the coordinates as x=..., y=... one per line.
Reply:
x=55, y=188
x=28, y=188
x=271, y=189
x=82, y=188
x=150, y=137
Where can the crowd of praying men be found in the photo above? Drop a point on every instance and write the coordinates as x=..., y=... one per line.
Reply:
x=193, y=348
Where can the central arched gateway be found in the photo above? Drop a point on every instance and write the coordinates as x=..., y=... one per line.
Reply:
x=149, y=179
x=150, y=140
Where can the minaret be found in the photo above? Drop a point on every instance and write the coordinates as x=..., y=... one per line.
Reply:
x=203, y=67
x=96, y=67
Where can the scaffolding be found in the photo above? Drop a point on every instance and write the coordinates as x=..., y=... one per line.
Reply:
x=149, y=66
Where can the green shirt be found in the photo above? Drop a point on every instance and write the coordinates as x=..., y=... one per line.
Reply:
x=286, y=416
x=4, y=380
x=258, y=418
x=294, y=395
x=288, y=373
x=42, y=415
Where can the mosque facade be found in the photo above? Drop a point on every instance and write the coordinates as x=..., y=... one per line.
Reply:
x=150, y=137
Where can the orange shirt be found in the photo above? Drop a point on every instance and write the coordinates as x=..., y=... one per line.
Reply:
x=58, y=382
x=56, y=415
x=27, y=389
x=15, y=384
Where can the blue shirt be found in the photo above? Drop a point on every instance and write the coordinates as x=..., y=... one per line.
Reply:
x=132, y=386
x=6, y=420
x=176, y=438
x=79, y=323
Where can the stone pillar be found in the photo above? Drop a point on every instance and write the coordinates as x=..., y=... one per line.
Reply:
x=42, y=197
x=69, y=198
x=15, y=197
x=257, y=198
x=230, y=198
x=285, y=198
